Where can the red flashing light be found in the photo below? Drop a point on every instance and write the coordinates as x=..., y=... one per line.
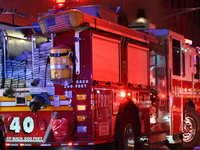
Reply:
x=21, y=144
x=70, y=144
x=163, y=96
x=60, y=1
x=122, y=94
x=60, y=5
x=7, y=144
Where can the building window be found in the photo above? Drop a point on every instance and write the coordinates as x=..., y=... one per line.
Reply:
x=198, y=14
x=179, y=5
x=172, y=3
x=184, y=4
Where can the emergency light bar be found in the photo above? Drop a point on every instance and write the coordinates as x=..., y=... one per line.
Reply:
x=61, y=1
x=188, y=41
x=59, y=4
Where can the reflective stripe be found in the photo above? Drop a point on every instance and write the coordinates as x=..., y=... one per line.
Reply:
x=61, y=102
x=57, y=144
x=27, y=145
x=7, y=103
x=4, y=104
x=58, y=54
x=45, y=145
x=26, y=108
x=59, y=67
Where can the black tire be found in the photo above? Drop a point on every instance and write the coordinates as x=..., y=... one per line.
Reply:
x=191, y=128
x=191, y=133
x=128, y=132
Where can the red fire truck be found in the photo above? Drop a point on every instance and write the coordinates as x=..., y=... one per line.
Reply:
x=88, y=81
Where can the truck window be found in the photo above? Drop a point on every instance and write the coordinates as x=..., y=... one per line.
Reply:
x=196, y=64
x=183, y=63
x=176, y=57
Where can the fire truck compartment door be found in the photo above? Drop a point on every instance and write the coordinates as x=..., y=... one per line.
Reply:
x=137, y=64
x=105, y=61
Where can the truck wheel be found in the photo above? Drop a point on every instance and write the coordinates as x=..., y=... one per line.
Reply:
x=191, y=128
x=128, y=132
x=191, y=132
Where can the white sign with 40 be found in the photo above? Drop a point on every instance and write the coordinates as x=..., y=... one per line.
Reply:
x=27, y=125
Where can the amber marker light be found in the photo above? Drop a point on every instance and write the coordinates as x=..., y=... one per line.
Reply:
x=81, y=118
x=81, y=97
x=81, y=107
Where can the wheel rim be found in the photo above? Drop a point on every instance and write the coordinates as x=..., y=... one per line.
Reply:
x=129, y=141
x=189, y=129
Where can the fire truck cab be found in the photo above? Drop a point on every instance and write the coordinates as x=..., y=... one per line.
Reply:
x=174, y=78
